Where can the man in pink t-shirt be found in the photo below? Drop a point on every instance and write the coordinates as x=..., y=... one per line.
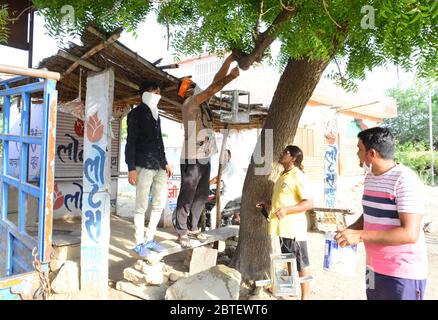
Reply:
x=391, y=226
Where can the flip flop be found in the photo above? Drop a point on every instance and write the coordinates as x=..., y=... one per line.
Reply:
x=197, y=235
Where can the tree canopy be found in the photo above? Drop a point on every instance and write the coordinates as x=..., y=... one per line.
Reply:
x=361, y=34
x=4, y=32
x=68, y=18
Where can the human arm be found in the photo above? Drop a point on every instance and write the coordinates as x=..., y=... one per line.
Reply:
x=213, y=181
x=224, y=68
x=216, y=87
x=132, y=124
x=407, y=233
x=167, y=167
x=302, y=206
x=410, y=208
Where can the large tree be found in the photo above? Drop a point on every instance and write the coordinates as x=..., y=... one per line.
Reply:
x=358, y=35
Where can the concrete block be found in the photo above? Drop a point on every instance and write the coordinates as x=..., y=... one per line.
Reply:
x=134, y=276
x=203, y=258
x=65, y=253
x=67, y=279
x=143, y=292
x=217, y=283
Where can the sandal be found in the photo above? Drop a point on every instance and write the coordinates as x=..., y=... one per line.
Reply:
x=184, y=241
x=197, y=235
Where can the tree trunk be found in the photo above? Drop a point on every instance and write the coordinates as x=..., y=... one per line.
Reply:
x=294, y=89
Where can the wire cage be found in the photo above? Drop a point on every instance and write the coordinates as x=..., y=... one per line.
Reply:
x=284, y=275
x=239, y=112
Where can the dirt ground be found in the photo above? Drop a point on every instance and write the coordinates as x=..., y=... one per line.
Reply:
x=325, y=285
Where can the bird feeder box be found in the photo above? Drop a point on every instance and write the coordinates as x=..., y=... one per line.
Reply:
x=284, y=275
x=240, y=106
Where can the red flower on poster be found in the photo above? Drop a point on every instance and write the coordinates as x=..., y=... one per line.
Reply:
x=59, y=198
x=79, y=127
x=94, y=128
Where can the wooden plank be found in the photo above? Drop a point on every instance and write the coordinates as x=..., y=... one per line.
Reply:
x=73, y=58
x=125, y=82
x=29, y=72
x=93, y=51
x=343, y=211
x=135, y=56
x=212, y=236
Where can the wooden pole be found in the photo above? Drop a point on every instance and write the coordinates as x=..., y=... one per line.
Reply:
x=219, y=177
x=93, y=51
x=35, y=73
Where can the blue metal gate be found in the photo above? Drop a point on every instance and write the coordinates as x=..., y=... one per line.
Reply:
x=23, y=195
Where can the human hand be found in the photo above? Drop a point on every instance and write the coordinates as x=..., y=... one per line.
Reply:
x=348, y=237
x=281, y=213
x=263, y=204
x=132, y=177
x=169, y=170
x=235, y=72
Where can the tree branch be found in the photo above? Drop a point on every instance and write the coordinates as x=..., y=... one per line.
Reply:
x=264, y=40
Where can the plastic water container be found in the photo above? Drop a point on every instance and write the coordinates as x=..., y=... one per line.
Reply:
x=339, y=259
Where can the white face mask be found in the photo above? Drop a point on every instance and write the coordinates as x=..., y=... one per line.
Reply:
x=368, y=168
x=151, y=100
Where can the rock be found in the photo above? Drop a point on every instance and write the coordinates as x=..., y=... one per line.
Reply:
x=153, y=258
x=143, y=292
x=139, y=265
x=134, y=276
x=144, y=273
x=229, y=251
x=203, y=258
x=67, y=279
x=231, y=243
x=217, y=283
x=224, y=260
x=149, y=268
x=56, y=264
x=262, y=295
x=154, y=273
x=174, y=276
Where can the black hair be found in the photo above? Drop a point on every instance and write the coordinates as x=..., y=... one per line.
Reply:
x=297, y=154
x=380, y=139
x=229, y=152
x=148, y=86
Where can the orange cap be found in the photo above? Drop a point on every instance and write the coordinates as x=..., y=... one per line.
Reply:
x=185, y=85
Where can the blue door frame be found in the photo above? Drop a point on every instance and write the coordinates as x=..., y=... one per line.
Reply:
x=17, y=249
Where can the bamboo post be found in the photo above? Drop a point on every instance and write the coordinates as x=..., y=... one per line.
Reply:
x=35, y=73
x=219, y=177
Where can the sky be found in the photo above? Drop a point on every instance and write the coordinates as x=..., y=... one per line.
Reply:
x=151, y=43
